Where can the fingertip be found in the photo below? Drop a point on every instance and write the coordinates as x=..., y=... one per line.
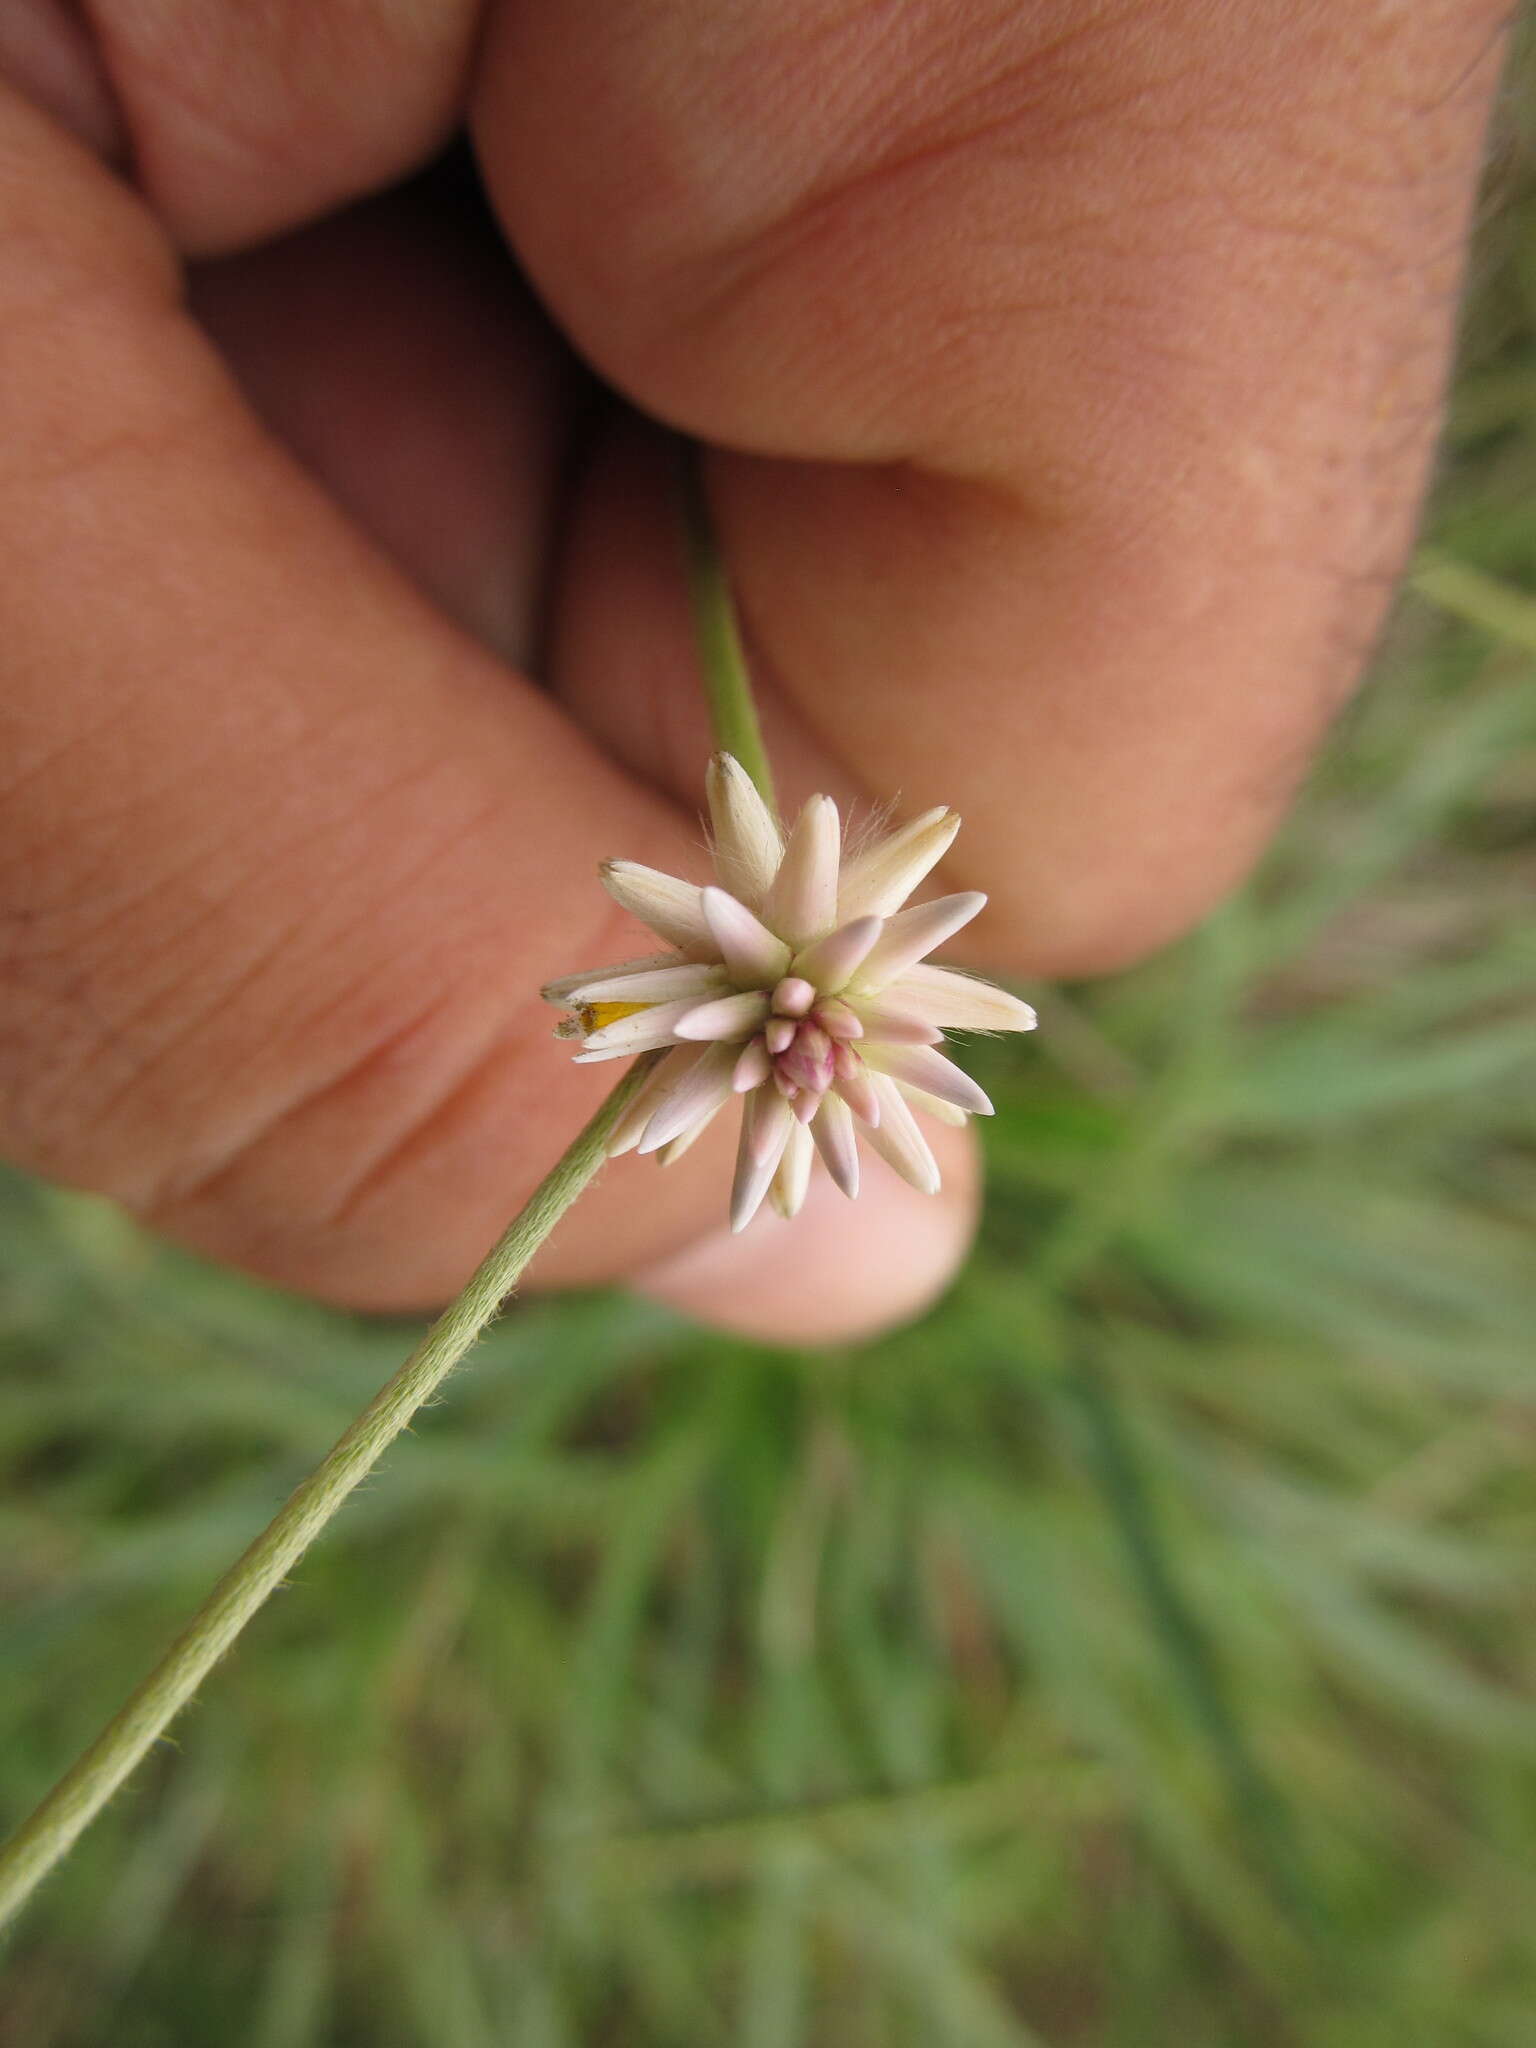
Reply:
x=842, y=1272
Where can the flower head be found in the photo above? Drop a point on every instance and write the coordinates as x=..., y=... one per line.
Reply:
x=798, y=982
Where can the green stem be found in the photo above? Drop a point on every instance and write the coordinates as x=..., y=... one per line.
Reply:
x=85, y=1789
x=727, y=684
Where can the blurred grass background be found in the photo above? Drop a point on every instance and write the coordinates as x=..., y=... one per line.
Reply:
x=1142, y=1650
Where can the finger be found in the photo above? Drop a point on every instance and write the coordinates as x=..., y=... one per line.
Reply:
x=49, y=54
x=1078, y=369
x=794, y=1290
x=283, y=854
x=440, y=436
x=243, y=121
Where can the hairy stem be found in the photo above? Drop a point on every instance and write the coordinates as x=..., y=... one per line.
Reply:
x=85, y=1789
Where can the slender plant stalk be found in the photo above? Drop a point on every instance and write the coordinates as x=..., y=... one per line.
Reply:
x=85, y=1789
x=727, y=682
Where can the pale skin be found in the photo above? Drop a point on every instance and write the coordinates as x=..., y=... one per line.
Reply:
x=1069, y=369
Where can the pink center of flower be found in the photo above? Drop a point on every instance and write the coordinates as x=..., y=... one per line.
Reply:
x=806, y=1062
x=804, y=1047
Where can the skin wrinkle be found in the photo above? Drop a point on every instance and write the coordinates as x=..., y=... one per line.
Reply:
x=614, y=932
x=218, y=910
x=729, y=274
x=1487, y=58
x=292, y=1236
x=46, y=764
x=193, y=1018
x=379, y=1176
x=146, y=801
x=83, y=892
x=842, y=169
x=272, y=947
x=209, y=1181
x=118, y=1036
x=956, y=339
x=80, y=465
x=67, y=1006
x=353, y=1065
x=269, y=1123
x=1061, y=483
x=130, y=817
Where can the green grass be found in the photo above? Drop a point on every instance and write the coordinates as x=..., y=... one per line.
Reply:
x=1141, y=1650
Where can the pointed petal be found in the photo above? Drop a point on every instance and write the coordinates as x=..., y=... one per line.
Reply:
x=695, y=978
x=830, y=964
x=921, y=1067
x=929, y=1105
x=898, y=1140
x=858, y=1091
x=802, y=904
x=769, y=1117
x=671, y=908
x=912, y=933
x=697, y=1093
x=956, y=1002
x=837, y=1020
x=748, y=842
x=727, y=1017
x=835, y=1141
x=765, y=1130
x=752, y=1067
x=793, y=1177
x=559, y=990
x=886, y=1027
x=669, y=1069
x=750, y=951
x=670, y=1154
x=655, y=1025
x=881, y=878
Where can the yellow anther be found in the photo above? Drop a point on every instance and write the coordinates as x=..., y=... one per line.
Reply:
x=598, y=1016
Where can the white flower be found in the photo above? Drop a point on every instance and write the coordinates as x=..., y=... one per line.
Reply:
x=797, y=982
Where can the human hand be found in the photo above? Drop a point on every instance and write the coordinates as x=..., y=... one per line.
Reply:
x=1070, y=371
